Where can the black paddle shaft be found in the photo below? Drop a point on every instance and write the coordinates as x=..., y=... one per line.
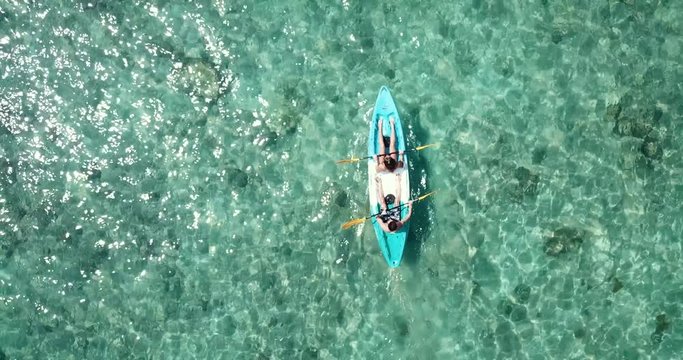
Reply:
x=395, y=207
x=390, y=153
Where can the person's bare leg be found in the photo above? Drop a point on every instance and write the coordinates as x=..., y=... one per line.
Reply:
x=397, y=198
x=392, y=139
x=380, y=140
x=380, y=194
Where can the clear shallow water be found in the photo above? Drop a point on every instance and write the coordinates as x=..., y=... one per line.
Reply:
x=168, y=186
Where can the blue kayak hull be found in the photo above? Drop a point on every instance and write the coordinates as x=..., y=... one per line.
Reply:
x=391, y=244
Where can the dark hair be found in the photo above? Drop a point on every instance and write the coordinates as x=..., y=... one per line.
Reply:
x=393, y=225
x=390, y=162
x=389, y=199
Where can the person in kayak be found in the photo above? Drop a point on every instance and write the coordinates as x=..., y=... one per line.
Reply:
x=387, y=163
x=389, y=219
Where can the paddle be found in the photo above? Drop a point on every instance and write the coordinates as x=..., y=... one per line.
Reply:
x=355, y=222
x=353, y=160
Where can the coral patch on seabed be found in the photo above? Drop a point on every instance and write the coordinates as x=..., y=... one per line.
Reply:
x=522, y=293
x=538, y=155
x=237, y=177
x=638, y=119
x=563, y=240
x=526, y=184
x=663, y=325
x=652, y=149
x=200, y=79
x=616, y=284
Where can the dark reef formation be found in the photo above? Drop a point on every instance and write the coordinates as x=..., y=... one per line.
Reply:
x=237, y=177
x=663, y=325
x=637, y=118
x=651, y=148
x=632, y=120
x=563, y=240
x=538, y=155
x=522, y=293
x=526, y=184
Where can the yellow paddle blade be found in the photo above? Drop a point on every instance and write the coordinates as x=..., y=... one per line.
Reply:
x=426, y=146
x=425, y=196
x=352, y=223
x=348, y=161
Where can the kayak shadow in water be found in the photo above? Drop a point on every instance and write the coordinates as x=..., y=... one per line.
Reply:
x=420, y=222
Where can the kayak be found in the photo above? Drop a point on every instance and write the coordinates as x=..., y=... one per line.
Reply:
x=391, y=244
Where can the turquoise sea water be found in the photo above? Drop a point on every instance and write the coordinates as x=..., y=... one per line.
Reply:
x=168, y=186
